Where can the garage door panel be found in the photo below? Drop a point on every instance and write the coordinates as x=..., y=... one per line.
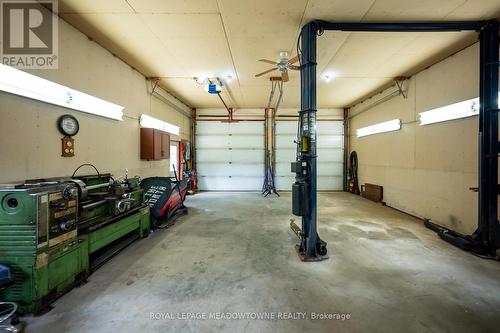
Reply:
x=330, y=155
x=241, y=169
x=230, y=156
x=286, y=127
x=213, y=155
x=325, y=127
x=323, y=168
x=214, y=169
x=325, y=141
x=285, y=141
x=243, y=128
x=326, y=183
x=284, y=183
x=330, y=151
x=330, y=128
x=248, y=155
x=247, y=141
x=226, y=169
x=330, y=169
x=286, y=155
x=211, y=141
x=230, y=183
x=283, y=168
x=209, y=128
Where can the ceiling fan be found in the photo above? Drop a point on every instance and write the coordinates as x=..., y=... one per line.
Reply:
x=283, y=65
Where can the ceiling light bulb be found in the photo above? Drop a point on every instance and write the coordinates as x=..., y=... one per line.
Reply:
x=327, y=77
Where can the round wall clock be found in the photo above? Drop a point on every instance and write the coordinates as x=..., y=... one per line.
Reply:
x=68, y=125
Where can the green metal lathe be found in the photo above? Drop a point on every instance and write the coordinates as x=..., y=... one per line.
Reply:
x=55, y=232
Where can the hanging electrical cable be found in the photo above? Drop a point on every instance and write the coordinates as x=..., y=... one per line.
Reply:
x=271, y=95
x=280, y=96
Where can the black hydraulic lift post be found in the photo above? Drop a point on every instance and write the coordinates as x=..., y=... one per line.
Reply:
x=486, y=240
x=308, y=130
x=488, y=232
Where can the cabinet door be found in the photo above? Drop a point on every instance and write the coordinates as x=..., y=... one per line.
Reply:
x=147, y=144
x=157, y=145
x=165, y=146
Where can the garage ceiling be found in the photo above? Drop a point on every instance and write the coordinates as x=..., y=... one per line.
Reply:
x=180, y=39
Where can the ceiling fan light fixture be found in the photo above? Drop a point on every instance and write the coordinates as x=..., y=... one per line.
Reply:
x=283, y=55
x=283, y=65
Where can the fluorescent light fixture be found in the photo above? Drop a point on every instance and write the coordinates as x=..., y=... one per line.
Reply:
x=150, y=122
x=458, y=110
x=21, y=83
x=386, y=126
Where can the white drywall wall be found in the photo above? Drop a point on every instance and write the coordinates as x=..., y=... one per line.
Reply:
x=426, y=170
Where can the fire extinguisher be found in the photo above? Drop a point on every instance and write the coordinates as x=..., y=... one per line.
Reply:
x=350, y=183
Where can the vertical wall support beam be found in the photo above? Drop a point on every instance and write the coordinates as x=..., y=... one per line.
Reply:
x=273, y=142
x=346, y=149
x=193, y=138
x=308, y=129
x=488, y=229
x=266, y=145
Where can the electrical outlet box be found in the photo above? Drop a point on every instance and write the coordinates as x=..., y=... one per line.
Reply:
x=296, y=167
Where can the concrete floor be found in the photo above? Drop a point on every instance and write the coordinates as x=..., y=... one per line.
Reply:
x=234, y=253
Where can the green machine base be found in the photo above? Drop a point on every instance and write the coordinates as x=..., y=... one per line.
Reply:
x=106, y=241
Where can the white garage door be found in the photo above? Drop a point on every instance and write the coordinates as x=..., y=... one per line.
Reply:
x=330, y=150
x=230, y=156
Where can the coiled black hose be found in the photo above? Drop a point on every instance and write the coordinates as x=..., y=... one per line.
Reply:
x=353, y=169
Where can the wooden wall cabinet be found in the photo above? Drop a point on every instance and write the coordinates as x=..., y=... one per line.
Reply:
x=155, y=144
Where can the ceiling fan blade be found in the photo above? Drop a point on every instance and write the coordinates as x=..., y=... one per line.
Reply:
x=265, y=72
x=268, y=61
x=284, y=76
x=293, y=67
x=293, y=60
